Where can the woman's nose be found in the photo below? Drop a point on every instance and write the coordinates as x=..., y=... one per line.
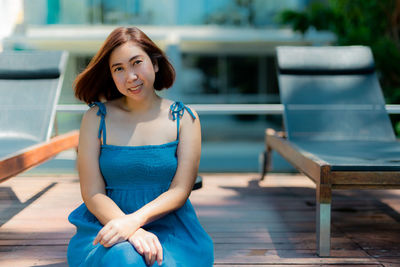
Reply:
x=131, y=76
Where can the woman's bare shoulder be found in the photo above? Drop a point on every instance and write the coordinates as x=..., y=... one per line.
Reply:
x=91, y=113
x=190, y=118
x=166, y=107
x=112, y=104
x=90, y=121
x=166, y=103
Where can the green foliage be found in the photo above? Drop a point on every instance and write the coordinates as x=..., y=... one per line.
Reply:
x=374, y=23
x=397, y=127
x=299, y=20
x=317, y=15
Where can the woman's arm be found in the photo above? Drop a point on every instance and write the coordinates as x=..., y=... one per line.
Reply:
x=189, y=150
x=91, y=180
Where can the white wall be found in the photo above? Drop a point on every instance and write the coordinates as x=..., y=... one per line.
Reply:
x=10, y=13
x=35, y=12
x=73, y=12
x=161, y=12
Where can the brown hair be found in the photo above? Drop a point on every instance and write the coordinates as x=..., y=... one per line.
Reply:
x=95, y=82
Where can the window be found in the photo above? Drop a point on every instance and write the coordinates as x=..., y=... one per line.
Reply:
x=229, y=79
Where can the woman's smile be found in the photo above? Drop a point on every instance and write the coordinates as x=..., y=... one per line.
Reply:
x=135, y=89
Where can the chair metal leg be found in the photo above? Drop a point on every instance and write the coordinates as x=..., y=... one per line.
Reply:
x=266, y=162
x=323, y=220
x=198, y=183
x=263, y=162
x=323, y=229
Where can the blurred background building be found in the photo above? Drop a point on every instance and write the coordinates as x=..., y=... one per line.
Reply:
x=223, y=52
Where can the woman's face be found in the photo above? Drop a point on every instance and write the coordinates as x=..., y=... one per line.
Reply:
x=132, y=70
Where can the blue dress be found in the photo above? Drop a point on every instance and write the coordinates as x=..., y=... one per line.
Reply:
x=134, y=176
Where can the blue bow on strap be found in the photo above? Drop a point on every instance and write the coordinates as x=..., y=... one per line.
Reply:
x=101, y=112
x=177, y=110
x=102, y=108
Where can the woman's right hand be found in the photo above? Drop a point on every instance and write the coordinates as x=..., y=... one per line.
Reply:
x=115, y=231
x=148, y=245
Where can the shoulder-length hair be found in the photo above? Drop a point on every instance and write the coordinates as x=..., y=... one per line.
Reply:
x=95, y=83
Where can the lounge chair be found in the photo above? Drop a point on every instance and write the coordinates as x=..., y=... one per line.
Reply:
x=338, y=132
x=30, y=85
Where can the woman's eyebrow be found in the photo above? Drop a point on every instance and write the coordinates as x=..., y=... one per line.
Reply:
x=132, y=58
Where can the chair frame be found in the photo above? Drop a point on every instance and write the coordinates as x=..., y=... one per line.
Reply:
x=324, y=175
x=325, y=181
x=18, y=161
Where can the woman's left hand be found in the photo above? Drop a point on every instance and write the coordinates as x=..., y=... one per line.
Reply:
x=148, y=245
x=116, y=231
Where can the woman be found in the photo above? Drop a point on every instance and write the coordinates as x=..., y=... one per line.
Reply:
x=138, y=159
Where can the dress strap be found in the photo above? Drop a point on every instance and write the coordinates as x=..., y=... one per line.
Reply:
x=177, y=110
x=101, y=112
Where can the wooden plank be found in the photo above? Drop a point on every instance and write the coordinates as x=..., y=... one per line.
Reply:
x=305, y=163
x=21, y=256
x=34, y=242
x=29, y=157
x=273, y=256
x=251, y=224
x=338, y=243
x=381, y=179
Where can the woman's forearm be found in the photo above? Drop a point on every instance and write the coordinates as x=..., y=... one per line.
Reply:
x=103, y=207
x=167, y=202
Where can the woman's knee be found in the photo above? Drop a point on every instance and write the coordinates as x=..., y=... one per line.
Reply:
x=122, y=254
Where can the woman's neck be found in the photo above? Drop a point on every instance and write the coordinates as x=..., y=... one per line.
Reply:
x=141, y=106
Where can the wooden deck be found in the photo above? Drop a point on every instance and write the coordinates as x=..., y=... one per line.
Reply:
x=252, y=224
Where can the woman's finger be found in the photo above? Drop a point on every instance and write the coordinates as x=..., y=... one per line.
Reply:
x=110, y=234
x=159, y=255
x=146, y=252
x=138, y=245
x=98, y=237
x=115, y=239
x=153, y=252
x=96, y=240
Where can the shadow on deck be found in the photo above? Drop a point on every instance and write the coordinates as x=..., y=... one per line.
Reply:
x=251, y=223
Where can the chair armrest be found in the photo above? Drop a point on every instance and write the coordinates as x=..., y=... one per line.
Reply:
x=29, y=157
x=272, y=132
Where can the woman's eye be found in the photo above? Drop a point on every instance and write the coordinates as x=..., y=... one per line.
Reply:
x=137, y=62
x=117, y=69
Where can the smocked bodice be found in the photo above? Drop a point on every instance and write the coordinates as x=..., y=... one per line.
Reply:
x=147, y=170
x=131, y=167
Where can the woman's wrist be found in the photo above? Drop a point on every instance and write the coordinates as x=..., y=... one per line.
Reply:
x=136, y=220
x=136, y=232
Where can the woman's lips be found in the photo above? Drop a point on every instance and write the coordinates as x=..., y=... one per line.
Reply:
x=135, y=89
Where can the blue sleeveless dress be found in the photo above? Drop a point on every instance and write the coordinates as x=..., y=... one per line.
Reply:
x=134, y=176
